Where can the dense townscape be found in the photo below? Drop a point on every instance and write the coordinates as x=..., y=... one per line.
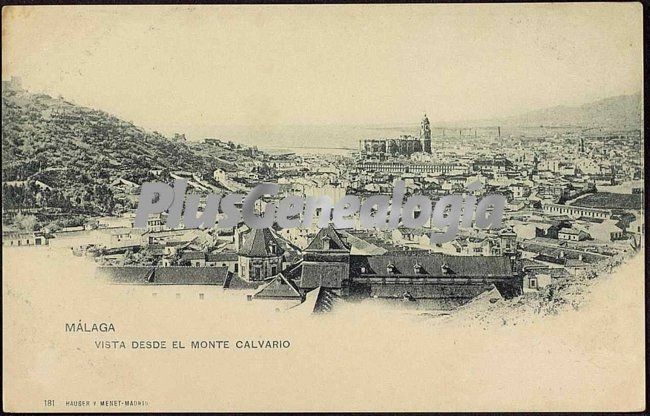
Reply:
x=71, y=177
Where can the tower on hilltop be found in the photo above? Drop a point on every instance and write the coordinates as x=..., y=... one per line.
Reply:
x=425, y=135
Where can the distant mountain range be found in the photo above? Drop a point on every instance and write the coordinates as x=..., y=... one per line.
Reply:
x=620, y=112
x=623, y=111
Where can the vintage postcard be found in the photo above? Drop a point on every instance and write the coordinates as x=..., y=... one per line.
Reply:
x=292, y=208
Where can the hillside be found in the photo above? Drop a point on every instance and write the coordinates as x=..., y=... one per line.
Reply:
x=624, y=111
x=59, y=155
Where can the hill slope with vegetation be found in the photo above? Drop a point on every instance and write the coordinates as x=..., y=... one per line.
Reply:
x=57, y=156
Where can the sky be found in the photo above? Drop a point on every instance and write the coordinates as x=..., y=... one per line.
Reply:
x=167, y=66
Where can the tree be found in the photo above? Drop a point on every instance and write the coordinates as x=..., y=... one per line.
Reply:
x=26, y=222
x=129, y=257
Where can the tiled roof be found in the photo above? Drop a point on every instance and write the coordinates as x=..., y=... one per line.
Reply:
x=223, y=256
x=176, y=275
x=532, y=264
x=233, y=281
x=19, y=235
x=550, y=259
x=404, y=265
x=258, y=242
x=360, y=246
x=554, y=272
x=326, y=300
x=326, y=274
x=336, y=240
x=589, y=219
x=193, y=255
x=279, y=288
x=555, y=251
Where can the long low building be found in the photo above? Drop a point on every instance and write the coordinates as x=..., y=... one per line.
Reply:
x=433, y=275
x=173, y=275
x=328, y=263
x=399, y=167
x=430, y=267
x=17, y=239
x=179, y=282
x=577, y=211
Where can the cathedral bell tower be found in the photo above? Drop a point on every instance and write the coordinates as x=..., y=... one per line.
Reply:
x=425, y=135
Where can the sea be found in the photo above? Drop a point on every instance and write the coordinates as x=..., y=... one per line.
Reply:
x=300, y=139
x=320, y=139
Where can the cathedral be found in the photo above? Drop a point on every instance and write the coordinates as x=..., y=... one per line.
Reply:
x=400, y=146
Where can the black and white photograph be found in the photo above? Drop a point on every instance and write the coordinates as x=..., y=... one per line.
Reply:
x=323, y=207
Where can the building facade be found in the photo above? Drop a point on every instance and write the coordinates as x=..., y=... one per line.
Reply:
x=260, y=255
x=404, y=145
x=398, y=167
x=577, y=211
